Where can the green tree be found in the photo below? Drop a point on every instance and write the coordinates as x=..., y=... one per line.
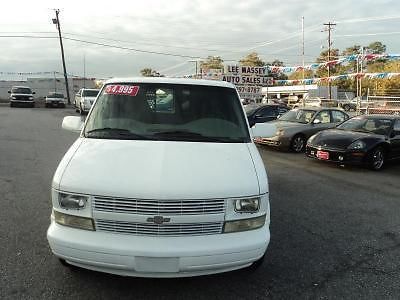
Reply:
x=148, y=72
x=252, y=59
x=212, y=62
x=324, y=57
x=299, y=75
x=376, y=48
x=277, y=75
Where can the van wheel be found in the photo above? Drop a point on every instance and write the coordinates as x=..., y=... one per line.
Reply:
x=11, y=104
x=298, y=143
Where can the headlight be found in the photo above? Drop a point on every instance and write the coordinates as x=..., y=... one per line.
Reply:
x=73, y=221
x=244, y=224
x=357, y=145
x=280, y=132
x=247, y=205
x=30, y=98
x=14, y=98
x=69, y=201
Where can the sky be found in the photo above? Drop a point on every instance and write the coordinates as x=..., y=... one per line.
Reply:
x=171, y=34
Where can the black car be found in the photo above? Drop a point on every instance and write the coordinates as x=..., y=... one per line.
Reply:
x=264, y=113
x=366, y=140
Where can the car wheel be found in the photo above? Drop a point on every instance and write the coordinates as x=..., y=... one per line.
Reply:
x=346, y=107
x=46, y=105
x=11, y=104
x=298, y=143
x=80, y=109
x=33, y=105
x=377, y=159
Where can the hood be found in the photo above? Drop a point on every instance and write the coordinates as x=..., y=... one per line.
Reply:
x=158, y=169
x=339, y=139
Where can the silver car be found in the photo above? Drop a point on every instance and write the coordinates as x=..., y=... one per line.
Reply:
x=295, y=127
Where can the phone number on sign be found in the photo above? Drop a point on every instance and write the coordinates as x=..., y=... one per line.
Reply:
x=116, y=89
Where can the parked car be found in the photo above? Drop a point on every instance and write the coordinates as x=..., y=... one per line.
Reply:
x=264, y=113
x=296, y=126
x=171, y=192
x=55, y=99
x=369, y=140
x=21, y=95
x=84, y=100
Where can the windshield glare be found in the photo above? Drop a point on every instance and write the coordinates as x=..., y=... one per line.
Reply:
x=376, y=126
x=56, y=95
x=90, y=93
x=298, y=115
x=168, y=112
x=21, y=90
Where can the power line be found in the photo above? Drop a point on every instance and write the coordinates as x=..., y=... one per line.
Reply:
x=130, y=49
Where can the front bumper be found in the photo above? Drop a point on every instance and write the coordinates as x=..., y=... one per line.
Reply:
x=338, y=156
x=275, y=141
x=21, y=101
x=55, y=102
x=149, y=256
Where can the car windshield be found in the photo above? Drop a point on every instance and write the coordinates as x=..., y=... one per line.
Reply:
x=298, y=115
x=56, y=95
x=21, y=90
x=164, y=111
x=90, y=93
x=368, y=125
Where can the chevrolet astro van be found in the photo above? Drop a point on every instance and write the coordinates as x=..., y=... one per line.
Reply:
x=163, y=181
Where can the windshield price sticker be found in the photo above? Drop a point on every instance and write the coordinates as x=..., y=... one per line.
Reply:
x=116, y=89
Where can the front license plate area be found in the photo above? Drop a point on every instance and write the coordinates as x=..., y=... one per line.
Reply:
x=323, y=155
x=157, y=264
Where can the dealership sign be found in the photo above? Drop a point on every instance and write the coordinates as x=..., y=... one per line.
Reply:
x=248, y=79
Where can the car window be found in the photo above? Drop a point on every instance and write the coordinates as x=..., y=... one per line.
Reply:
x=338, y=116
x=396, y=127
x=267, y=112
x=282, y=110
x=324, y=116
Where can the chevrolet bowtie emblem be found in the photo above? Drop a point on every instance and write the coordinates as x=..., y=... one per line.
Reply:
x=158, y=219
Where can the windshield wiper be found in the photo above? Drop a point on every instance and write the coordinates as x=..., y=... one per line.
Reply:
x=184, y=135
x=115, y=133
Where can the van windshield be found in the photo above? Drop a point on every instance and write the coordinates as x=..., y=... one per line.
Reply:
x=174, y=112
x=21, y=90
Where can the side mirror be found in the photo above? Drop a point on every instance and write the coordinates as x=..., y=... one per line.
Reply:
x=316, y=121
x=72, y=123
x=9, y=92
x=263, y=130
x=33, y=93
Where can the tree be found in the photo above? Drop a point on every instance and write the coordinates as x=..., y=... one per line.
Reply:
x=277, y=75
x=377, y=48
x=148, y=72
x=252, y=59
x=299, y=75
x=212, y=62
x=324, y=57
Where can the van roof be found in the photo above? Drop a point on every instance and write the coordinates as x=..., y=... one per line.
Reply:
x=171, y=80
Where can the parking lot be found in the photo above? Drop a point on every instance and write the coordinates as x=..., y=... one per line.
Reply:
x=335, y=232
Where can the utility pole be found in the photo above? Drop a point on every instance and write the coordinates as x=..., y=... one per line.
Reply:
x=329, y=29
x=56, y=21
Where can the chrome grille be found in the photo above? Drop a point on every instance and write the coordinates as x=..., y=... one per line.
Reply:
x=159, y=207
x=156, y=229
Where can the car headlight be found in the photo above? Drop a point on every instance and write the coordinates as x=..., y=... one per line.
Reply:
x=247, y=205
x=71, y=201
x=357, y=145
x=14, y=98
x=73, y=221
x=280, y=132
x=244, y=224
x=30, y=98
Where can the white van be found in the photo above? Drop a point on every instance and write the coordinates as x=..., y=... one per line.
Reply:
x=163, y=181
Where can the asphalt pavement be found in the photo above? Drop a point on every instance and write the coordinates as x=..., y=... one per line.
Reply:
x=335, y=232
